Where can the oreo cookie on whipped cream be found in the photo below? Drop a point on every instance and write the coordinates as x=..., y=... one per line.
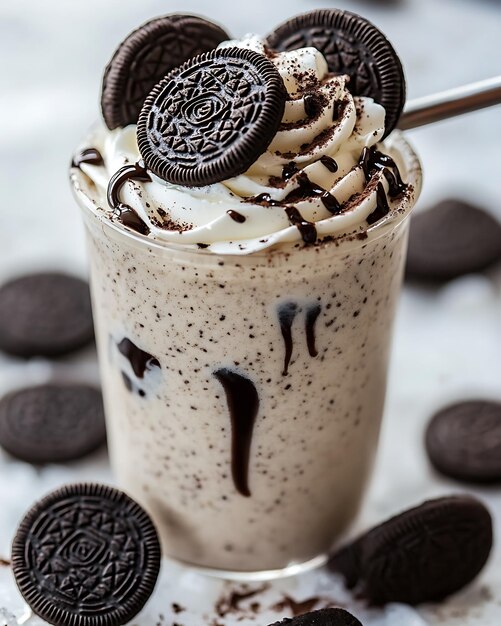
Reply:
x=354, y=46
x=263, y=125
x=146, y=56
x=211, y=118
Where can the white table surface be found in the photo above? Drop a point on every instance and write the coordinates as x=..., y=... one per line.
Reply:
x=448, y=340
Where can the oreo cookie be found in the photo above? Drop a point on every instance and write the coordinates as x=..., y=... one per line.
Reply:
x=146, y=56
x=211, y=118
x=463, y=441
x=421, y=555
x=86, y=555
x=52, y=423
x=451, y=239
x=47, y=314
x=354, y=46
x=323, y=617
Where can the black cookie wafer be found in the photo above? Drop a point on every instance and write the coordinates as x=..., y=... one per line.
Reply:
x=451, y=239
x=421, y=555
x=354, y=46
x=211, y=118
x=146, y=56
x=463, y=441
x=52, y=423
x=46, y=314
x=86, y=555
x=322, y=617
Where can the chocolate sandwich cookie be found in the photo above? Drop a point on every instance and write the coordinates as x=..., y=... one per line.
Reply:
x=211, y=118
x=146, y=56
x=354, y=46
x=421, y=555
x=463, y=441
x=323, y=617
x=86, y=555
x=47, y=314
x=451, y=239
x=52, y=423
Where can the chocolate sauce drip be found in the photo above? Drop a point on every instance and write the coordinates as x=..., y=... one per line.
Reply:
x=123, y=212
x=235, y=215
x=137, y=171
x=139, y=359
x=289, y=170
x=311, y=317
x=243, y=404
x=92, y=156
x=307, y=189
x=395, y=184
x=129, y=218
x=330, y=203
x=382, y=207
x=286, y=314
x=264, y=199
x=373, y=159
x=312, y=104
x=329, y=163
x=308, y=230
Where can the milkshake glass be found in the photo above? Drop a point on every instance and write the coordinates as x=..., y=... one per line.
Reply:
x=244, y=393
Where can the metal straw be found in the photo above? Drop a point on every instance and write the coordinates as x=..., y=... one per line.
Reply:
x=446, y=104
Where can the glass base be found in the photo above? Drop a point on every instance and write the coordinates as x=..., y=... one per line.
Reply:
x=293, y=569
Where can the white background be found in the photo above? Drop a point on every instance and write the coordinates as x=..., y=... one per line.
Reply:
x=448, y=340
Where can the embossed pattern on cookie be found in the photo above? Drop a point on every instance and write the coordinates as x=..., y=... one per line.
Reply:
x=146, y=56
x=86, y=555
x=351, y=45
x=211, y=118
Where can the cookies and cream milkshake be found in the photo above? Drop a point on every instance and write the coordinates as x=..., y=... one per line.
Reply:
x=244, y=323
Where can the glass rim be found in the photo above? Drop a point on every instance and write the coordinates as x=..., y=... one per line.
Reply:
x=341, y=243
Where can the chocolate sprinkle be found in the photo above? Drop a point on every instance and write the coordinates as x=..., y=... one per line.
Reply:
x=236, y=216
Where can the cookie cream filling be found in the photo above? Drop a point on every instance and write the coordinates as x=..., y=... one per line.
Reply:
x=321, y=175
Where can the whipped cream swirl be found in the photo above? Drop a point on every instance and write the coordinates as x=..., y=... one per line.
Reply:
x=311, y=182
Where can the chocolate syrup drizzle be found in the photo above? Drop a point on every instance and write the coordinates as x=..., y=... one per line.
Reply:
x=312, y=104
x=92, y=156
x=140, y=360
x=236, y=216
x=243, y=404
x=307, y=189
x=286, y=314
x=126, y=214
x=371, y=160
x=307, y=229
x=311, y=317
x=289, y=170
x=329, y=163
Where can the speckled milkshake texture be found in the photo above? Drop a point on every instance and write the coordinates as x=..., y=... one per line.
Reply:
x=316, y=428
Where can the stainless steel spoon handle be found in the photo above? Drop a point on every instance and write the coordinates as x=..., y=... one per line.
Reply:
x=451, y=103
